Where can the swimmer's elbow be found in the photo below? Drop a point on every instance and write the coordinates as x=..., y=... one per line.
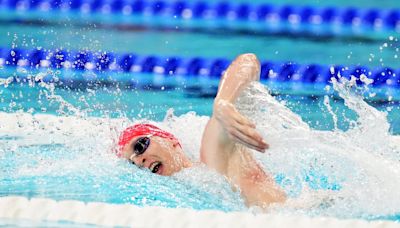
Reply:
x=249, y=58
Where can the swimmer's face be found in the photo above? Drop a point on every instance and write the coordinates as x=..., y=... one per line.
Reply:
x=159, y=155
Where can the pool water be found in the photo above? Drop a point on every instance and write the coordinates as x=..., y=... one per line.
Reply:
x=57, y=142
x=68, y=155
x=373, y=53
x=185, y=96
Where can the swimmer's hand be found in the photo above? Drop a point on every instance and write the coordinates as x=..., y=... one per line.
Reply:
x=237, y=127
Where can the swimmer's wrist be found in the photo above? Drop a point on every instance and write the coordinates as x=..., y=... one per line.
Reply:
x=219, y=103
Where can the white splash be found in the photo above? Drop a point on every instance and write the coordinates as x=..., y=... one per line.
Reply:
x=363, y=161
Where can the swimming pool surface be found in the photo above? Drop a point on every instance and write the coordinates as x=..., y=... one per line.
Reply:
x=59, y=143
x=46, y=159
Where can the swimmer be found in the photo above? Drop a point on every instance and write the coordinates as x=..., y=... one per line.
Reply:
x=225, y=144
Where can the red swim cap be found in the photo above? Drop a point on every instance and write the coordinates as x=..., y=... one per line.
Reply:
x=142, y=130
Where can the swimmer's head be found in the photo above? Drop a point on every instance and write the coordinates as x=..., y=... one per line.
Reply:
x=148, y=146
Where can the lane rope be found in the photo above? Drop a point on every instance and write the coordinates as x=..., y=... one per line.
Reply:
x=271, y=17
x=104, y=214
x=99, y=62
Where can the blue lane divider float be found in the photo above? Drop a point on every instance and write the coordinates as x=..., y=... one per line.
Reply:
x=103, y=62
x=223, y=11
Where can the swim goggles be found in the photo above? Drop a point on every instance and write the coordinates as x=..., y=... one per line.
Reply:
x=141, y=145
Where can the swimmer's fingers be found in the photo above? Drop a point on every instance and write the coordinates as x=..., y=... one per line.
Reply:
x=246, y=127
x=238, y=127
x=240, y=119
x=237, y=138
x=226, y=112
x=253, y=135
x=249, y=146
x=244, y=131
x=248, y=141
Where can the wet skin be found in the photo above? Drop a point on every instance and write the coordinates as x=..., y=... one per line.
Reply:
x=226, y=141
x=163, y=156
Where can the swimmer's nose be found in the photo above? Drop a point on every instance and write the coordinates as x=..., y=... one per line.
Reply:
x=143, y=161
x=138, y=160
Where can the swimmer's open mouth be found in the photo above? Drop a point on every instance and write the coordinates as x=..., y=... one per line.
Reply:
x=155, y=167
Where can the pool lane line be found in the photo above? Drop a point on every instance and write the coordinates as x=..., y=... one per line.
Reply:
x=31, y=59
x=105, y=214
x=334, y=21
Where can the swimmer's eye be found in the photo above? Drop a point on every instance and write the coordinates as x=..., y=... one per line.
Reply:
x=141, y=145
x=132, y=162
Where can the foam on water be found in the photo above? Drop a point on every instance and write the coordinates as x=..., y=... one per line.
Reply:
x=347, y=174
x=364, y=161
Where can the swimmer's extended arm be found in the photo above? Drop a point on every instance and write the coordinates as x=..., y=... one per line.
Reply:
x=228, y=135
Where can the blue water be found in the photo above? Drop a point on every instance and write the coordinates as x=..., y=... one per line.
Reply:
x=82, y=168
x=79, y=170
x=183, y=43
x=191, y=95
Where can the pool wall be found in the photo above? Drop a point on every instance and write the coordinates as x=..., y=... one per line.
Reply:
x=103, y=214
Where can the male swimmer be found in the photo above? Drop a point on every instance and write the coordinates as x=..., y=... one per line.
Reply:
x=225, y=145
